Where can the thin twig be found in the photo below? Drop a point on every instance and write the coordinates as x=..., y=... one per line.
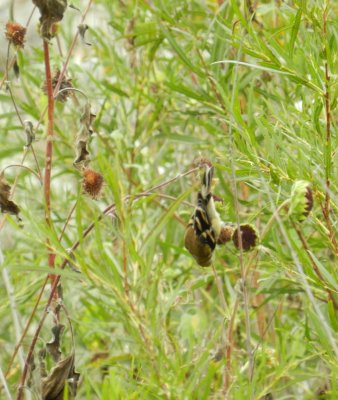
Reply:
x=14, y=310
x=28, y=323
x=8, y=88
x=70, y=51
x=220, y=291
x=67, y=220
x=314, y=265
x=49, y=153
x=23, y=125
x=4, y=384
x=4, y=219
x=328, y=162
x=21, y=166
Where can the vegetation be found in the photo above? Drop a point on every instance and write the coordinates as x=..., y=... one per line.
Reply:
x=147, y=92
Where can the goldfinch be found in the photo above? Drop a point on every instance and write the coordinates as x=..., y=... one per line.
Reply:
x=204, y=226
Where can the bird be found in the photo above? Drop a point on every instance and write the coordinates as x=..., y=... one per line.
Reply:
x=204, y=226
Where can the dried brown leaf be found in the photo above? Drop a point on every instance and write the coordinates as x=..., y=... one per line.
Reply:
x=53, y=346
x=82, y=138
x=53, y=385
x=7, y=205
x=42, y=362
x=73, y=382
x=82, y=28
x=30, y=134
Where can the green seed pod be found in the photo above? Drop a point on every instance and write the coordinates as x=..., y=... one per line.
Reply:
x=301, y=202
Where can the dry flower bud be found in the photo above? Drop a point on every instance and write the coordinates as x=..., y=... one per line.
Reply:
x=308, y=202
x=92, y=183
x=50, y=13
x=249, y=237
x=200, y=161
x=15, y=33
x=65, y=84
x=226, y=233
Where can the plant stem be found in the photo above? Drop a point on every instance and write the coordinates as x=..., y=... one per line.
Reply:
x=220, y=291
x=28, y=323
x=50, y=126
x=229, y=348
x=20, y=166
x=23, y=125
x=46, y=184
x=49, y=150
x=70, y=51
x=314, y=265
x=327, y=158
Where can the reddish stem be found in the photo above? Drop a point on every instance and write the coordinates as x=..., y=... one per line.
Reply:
x=228, y=351
x=49, y=149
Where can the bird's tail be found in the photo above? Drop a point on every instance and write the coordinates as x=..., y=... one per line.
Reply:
x=206, y=181
x=201, y=220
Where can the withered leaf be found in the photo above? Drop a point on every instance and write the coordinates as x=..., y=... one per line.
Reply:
x=73, y=381
x=51, y=11
x=87, y=119
x=29, y=130
x=32, y=367
x=53, y=346
x=82, y=159
x=7, y=205
x=82, y=31
x=53, y=385
x=82, y=138
x=42, y=362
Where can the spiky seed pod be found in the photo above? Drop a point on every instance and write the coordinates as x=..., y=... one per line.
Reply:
x=249, y=237
x=308, y=202
x=301, y=201
x=200, y=161
x=92, y=183
x=15, y=34
x=65, y=84
x=226, y=233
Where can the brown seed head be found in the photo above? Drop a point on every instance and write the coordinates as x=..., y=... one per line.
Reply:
x=65, y=84
x=308, y=201
x=15, y=33
x=200, y=161
x=225, y=234
x=92, y=183
x=249, y=237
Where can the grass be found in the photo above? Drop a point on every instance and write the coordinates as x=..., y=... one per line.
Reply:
x=169, y=81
